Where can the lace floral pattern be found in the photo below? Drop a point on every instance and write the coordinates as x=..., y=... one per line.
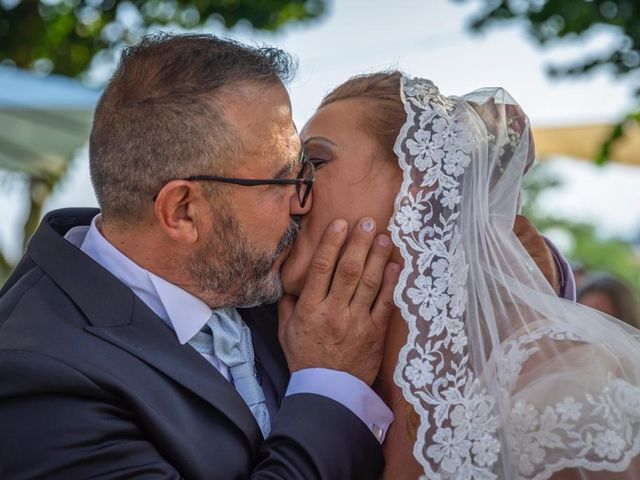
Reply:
x=457, y=415
x=464, y=429
x=592, y=430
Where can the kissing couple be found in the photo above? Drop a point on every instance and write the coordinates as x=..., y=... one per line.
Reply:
x=422, y=327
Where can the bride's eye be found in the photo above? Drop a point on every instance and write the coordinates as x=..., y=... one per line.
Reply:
x=317, y=162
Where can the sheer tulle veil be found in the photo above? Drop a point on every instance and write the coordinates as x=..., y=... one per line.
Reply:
x=509, y=381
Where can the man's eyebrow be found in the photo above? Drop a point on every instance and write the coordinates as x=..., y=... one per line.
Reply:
x=289, y=167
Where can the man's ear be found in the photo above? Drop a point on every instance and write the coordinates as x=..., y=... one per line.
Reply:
x=180, y=210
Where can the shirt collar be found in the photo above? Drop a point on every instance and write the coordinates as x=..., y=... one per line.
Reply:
x=187, y=313
x=182, y=311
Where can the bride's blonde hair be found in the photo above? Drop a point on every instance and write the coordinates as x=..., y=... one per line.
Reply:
x=380, y=93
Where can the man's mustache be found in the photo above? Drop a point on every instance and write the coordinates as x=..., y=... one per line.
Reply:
x=289, y=236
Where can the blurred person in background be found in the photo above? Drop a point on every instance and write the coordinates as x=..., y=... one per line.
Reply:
x=580, y=273
x=612, y=296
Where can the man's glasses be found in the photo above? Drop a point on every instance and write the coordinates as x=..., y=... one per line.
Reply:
x=303, y=182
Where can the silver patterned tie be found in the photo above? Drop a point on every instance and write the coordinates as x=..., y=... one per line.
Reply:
x=231, y=344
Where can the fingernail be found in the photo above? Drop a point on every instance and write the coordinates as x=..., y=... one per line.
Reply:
x=394, y=267
x=368, y=225
x=339, y=225
x=384, y=241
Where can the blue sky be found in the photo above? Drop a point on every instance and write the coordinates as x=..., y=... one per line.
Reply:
x=428, y=38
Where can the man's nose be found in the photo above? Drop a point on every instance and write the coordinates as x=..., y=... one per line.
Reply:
x=296, y=209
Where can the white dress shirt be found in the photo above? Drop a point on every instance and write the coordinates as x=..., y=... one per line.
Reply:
x=187, y=314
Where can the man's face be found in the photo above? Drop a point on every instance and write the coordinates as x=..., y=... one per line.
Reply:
x=254, y=227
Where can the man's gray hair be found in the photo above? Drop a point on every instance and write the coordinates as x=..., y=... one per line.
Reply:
x=159, y=117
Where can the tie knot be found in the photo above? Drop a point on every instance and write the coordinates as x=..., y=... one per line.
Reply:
x=231, y=338
x=203, y=341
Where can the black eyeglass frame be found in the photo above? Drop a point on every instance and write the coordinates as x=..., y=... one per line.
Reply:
x=299, y=181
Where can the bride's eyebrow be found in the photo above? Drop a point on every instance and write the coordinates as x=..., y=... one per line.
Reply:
x=318, y=139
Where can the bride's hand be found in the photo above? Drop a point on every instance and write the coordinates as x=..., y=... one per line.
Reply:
x=533, y=241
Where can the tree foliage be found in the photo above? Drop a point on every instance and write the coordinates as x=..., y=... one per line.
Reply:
x=64, y=36
x=551, y=22
x=588, y=248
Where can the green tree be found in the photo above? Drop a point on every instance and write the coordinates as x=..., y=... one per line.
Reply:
x=588, y=248
x=64, y=36
x=554, y=22
x=67, y=36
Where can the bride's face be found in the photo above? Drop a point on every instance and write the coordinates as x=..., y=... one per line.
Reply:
x=355, y=178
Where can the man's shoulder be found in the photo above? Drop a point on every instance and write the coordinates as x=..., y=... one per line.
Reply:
x=35, y=308
x=38, y=324
x=13, y=294
x=38, y=314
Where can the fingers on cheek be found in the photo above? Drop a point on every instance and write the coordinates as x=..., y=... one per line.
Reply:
x=383, y=241
x=389, y=282
x=392, y=272
x=336, y=233
x=349, y=270
x=331, y=242
x=322, y=265
x=381, y=247
x=371, y=282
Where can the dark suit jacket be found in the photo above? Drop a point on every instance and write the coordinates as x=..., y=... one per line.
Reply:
x=94, y=385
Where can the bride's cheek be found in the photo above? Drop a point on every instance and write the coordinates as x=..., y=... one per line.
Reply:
x=296, y=266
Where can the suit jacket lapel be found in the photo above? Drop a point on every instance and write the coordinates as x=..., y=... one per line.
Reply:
x=117, y=316
x=149, y=339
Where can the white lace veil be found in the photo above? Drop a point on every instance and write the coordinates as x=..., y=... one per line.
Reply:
x=509, y=381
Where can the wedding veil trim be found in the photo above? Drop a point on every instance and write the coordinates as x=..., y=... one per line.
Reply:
x=471, y=427
x=437, y=383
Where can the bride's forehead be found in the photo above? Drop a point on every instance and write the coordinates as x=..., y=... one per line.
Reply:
x=340, y=117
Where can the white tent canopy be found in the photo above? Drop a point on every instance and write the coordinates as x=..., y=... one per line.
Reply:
x=43, y=120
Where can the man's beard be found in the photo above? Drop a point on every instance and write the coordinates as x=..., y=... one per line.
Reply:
x=231, y=273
